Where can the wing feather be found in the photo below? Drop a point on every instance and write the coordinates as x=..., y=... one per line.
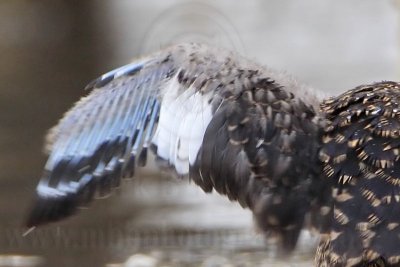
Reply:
x=99, y=139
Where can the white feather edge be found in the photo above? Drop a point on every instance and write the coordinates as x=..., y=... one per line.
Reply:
x=184, y=117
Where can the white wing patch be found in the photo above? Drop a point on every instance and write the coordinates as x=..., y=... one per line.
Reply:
x=184, y=117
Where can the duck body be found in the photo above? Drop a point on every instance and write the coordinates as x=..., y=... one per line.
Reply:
x=242, y=130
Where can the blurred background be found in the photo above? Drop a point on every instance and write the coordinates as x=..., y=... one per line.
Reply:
x=51, y=49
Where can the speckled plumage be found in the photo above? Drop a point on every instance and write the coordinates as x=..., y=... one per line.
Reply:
x=361, y=158
x=247, y=132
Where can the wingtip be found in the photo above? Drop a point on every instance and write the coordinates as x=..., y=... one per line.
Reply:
x=48, y=210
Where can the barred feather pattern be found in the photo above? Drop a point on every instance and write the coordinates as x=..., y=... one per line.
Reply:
x=361, y=160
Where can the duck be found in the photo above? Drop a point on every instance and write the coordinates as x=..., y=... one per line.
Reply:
x=294, y=156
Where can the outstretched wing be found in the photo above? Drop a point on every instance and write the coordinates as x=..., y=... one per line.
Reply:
x=209, y=115
x=361, y=152
x=98, y=140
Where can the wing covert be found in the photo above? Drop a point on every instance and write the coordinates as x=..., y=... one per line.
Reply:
x=254, y=151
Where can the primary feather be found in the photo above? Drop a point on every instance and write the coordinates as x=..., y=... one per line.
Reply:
x=247, y=132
